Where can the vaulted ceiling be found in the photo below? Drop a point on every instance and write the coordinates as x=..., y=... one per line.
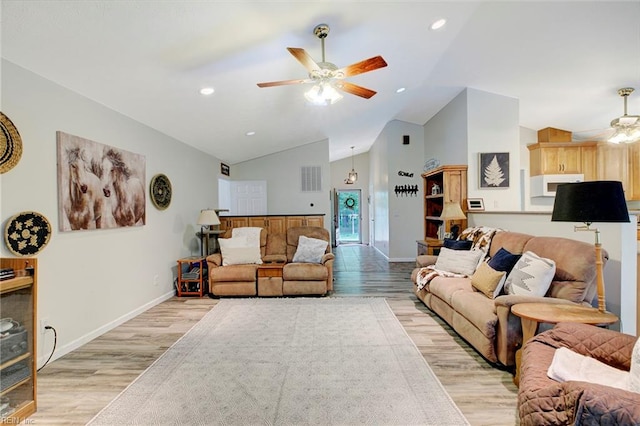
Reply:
x=563, y=60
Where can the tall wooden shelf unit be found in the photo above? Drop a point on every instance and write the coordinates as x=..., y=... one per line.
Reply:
x=451, y=185
x=18, y=363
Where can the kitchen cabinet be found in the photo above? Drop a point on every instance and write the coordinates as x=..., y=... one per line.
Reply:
x=550, y=158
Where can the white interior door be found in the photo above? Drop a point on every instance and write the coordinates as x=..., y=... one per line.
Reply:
x=248, y=197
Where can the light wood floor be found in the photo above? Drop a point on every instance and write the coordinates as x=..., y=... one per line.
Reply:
x=72, y=389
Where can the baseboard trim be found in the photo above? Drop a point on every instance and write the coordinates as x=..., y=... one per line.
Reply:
x=63, y=350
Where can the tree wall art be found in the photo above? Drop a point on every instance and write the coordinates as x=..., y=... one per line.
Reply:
x=494, y=170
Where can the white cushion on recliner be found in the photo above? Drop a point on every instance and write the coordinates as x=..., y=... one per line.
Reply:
x=458, y=261
x=310, y=250
x=238, y=251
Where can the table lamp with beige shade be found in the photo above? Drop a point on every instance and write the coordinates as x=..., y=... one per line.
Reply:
x=206, y=220
x=452, y=212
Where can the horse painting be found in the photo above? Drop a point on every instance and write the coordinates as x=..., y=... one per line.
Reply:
x=85, y=193
x=99, y=186
x=128, y=208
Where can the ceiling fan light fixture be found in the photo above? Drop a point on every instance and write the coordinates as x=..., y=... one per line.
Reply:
x=627, y=127
x=322, y=94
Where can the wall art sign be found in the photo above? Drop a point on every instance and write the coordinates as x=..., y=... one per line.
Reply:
x=494, y=170
x=224, y=169
x=99, y=186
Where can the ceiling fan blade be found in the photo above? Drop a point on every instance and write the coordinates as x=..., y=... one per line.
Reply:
x=282, y=83
x=361, y=67
x=304, y=58
x=354, y=89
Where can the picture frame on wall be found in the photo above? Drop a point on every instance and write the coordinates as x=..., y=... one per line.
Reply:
x=224, y=169
x=494, y=170
x=475, y=204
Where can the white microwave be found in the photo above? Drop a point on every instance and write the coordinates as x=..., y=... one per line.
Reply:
x=546, y=185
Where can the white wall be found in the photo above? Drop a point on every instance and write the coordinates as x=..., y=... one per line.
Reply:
x=379, y=187
x=90, y=281
x=339, y=172
x=446, y=134
x=493, y=127
x=282, y=173
x=619, y=240
x=397, y=218
x=404, y=211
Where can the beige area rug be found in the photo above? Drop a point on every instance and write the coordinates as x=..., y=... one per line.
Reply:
x=298, y=361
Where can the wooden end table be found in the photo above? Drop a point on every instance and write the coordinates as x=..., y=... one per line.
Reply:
x=270, y=279
x=429, y=246
x=532, y=314
x=191, y=285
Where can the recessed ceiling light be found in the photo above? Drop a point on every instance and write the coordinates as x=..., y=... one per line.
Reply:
x=438, y=24
x=250, y=133
x=400, y=90
x=207, y=91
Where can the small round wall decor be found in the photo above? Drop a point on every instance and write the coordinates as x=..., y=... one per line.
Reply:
x=160, y=189
x=10, y=144
x=27, y=233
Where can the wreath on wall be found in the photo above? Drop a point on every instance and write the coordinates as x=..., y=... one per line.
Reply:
x=350, y=202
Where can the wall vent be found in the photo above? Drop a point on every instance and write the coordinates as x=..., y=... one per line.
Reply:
x=311, y=178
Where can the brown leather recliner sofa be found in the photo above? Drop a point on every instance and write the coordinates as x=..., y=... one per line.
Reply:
x=275, y=249
x=543, y=401
x=488, y=324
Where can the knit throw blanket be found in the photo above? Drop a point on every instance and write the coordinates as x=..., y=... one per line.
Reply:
x=426, y=274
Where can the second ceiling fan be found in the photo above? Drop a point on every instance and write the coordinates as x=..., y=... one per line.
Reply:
x=327, y=76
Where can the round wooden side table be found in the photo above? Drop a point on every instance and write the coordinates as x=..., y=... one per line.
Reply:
x=532, y=314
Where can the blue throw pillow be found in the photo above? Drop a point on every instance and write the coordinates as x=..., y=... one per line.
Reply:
x=457, y=244
x=503, y=260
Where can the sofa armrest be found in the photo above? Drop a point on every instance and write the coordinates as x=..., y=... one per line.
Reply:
x=508, y=300
x=214, y=260
x=608, y=346
x=426, y=260
x=327, y=257
x=509, y=326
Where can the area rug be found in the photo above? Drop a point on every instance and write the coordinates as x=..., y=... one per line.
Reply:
x=298, y=361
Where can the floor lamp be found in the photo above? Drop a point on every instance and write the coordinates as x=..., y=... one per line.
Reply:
x=207, y=218
x=589, y=202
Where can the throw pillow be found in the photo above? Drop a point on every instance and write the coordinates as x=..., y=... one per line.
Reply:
x=310, y=250
x=634, y=372
x=238, y=251
x=458, y=261
x=457, y=244
x=488, y=281
x=503, y=260
x=531, y=276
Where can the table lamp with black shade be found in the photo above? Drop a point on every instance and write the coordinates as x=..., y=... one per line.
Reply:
x=589, y=202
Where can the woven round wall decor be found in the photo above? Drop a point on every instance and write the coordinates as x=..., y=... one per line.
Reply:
x=27, y=233
x=160, y=189
x=10, y=144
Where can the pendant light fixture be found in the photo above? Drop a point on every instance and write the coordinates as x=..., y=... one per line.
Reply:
x=627, y=127
x=353, y=176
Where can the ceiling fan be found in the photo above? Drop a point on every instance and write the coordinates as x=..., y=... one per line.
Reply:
x=326, y=76
x=623, y=129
